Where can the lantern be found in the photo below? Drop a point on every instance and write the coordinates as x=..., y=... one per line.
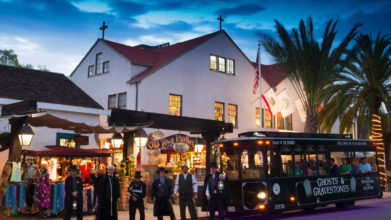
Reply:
x=199, y=145
x=116, y=140
x=25, y=135
x=140, y=138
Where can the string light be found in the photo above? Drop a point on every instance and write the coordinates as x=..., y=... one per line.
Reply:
x=377, y=137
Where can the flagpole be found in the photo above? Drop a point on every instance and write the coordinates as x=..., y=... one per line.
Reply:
x=260, y=88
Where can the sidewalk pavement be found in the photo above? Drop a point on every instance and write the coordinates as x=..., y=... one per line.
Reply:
x=124, y=215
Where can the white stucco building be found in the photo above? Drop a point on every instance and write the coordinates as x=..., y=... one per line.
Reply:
x=55, y=95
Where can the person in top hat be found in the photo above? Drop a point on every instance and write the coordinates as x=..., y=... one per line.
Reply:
x=186, y=184
x=161, y=195
x=73, y=192
x=108, y=196
x=216, y=197
x=137, y=191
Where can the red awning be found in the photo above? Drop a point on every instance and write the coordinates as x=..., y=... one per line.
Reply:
x=59, y=151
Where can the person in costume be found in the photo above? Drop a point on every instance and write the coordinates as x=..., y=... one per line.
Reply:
x=137, y=191
x=42, y=189
x=186, y=184
x=108, y=196
x=161, y=195
x=216, y=197
x=73, y=192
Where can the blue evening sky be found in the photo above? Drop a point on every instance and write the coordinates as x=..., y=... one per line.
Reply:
x=58, y=33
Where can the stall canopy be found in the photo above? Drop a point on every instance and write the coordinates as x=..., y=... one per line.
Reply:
x=44, y=119
x=59, y=151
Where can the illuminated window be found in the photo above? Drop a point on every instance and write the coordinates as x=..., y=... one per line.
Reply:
x=99, y=63
x=257, y=118
x=91, y=70
x=230, y=66
x=233, y=115
x=106, y=66
x=221, y=64
x=213, y=62
x=175, y=105
x=267, y=119
x=112, y=101
x=122, y=100
x=219, y=111
x=284, y=123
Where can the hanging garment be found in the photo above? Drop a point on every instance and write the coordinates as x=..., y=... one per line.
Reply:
x=42, y=191
x=16, y=172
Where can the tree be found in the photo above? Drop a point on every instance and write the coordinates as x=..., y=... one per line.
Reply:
x=9, y=58
x=310, y=64
x=359, y=91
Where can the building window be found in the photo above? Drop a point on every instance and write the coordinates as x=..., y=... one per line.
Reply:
x=66, y=140
x=284, y=123
x=219, y=111
x=122, y=100
x=175, y=105
x=99, y=63
x=112, y=101
x=267, y=119
x=213, y=62
x=91, y=70
x=230, y=66
x=257, y=118
x=233, y=115
x=106, y=66
x=222, y=64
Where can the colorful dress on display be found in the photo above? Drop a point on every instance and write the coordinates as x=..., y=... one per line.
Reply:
x=42, y=191
x=16, y=172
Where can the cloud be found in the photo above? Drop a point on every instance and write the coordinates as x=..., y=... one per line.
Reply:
x=244, y=10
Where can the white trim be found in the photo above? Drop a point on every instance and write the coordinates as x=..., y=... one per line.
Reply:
x=69, y=108
x=60, y=107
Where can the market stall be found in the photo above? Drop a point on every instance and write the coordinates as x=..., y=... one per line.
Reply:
x=39, y=183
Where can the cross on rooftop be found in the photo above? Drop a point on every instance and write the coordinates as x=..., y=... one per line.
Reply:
x=103, y=28
x=221, y=21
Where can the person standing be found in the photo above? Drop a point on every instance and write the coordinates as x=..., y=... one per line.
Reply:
x=215, y=198
x=137, y=192
x=161, y=195
x=73, y=192
x=186, y=184
x=108, y=196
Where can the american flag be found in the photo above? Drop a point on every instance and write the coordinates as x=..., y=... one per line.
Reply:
x=256, y=77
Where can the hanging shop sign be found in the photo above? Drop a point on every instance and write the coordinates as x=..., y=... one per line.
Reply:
x=178, y=142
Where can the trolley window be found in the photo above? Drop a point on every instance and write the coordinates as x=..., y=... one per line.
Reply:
x=322, y=161
x=274, y=162
x=310, y=168
x=286, y=159
x=230, y=164
x=299, y=160
x=253, y=164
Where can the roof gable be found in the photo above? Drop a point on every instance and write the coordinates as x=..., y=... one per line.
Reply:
x=28, y=84
x=273, y=74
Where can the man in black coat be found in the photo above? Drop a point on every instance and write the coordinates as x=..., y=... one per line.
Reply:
x=73, y=192
x=216, y=196
x=161, y=195
x=108, y=196
x=137, y=191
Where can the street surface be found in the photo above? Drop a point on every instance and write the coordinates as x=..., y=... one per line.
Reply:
x=375, y=209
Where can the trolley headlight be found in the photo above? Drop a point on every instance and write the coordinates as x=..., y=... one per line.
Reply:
x=261, y=195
